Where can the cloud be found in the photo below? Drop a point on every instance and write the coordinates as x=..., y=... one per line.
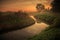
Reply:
x=12, y=1
x=15, y=0
x=21, y=4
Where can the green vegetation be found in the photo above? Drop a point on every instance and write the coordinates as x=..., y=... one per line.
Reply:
x=47, y=18
x=53, y=31
x=14, y=20
x=50, y=33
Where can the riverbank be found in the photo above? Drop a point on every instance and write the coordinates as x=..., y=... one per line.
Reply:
x=10, y=21
x=25, y=33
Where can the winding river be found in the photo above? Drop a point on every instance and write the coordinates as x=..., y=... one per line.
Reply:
x=24, y=33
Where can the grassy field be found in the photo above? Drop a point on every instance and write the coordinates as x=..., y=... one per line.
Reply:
x=14, y=20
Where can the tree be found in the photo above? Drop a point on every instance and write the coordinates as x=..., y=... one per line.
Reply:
x=40, y=7
x=53, y=32
x=56, y=6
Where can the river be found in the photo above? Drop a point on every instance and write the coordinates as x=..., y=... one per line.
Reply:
x=23, y=34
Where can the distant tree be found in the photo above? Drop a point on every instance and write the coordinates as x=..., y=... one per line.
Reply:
x=39, y=7
x=21, y=14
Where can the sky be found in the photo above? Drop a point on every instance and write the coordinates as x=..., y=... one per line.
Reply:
x=25, y=5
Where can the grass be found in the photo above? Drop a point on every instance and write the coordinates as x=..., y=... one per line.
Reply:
x=13, y=21
x=47, y=18
x=51, y=34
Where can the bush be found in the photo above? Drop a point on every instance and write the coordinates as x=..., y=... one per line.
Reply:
x=47, y=18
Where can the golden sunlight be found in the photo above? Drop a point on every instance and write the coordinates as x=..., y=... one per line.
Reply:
x=29, y=6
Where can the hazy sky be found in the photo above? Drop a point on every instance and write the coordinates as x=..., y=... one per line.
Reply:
x=26, y=5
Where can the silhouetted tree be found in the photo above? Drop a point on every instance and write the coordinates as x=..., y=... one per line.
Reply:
x=40, y=7
x=56, y=6
x=56, y=9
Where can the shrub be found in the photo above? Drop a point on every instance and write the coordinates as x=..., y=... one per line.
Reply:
x=47, y=18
